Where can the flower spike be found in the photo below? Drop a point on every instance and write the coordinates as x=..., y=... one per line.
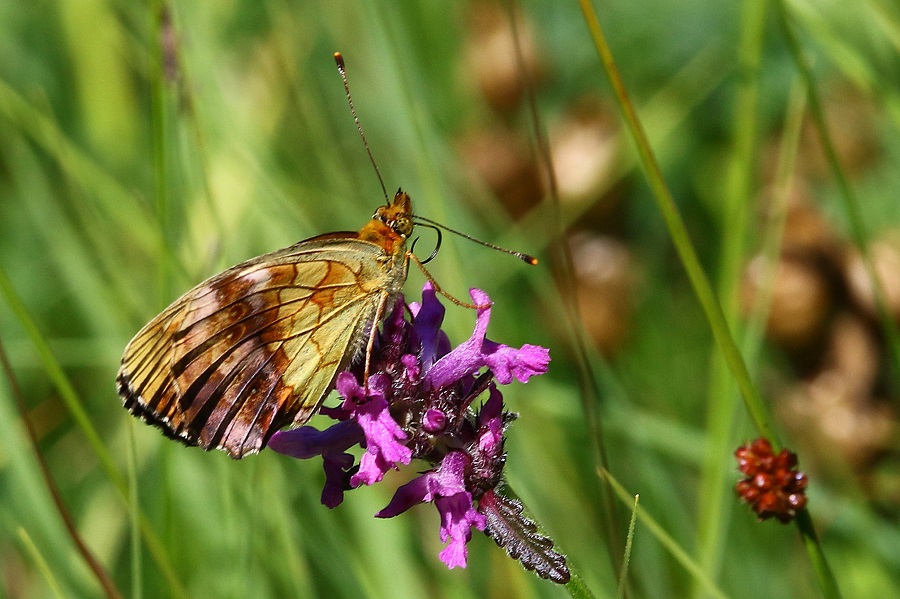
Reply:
x=420, y=403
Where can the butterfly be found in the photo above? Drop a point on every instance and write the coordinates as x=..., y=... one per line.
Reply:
x=258, y=346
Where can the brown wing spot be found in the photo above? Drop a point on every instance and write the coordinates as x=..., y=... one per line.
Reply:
x=250, y=405
x=264, y=405
x=234, y=291
x=239, y=311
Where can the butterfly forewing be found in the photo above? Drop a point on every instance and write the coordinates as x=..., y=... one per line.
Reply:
x=259, y=345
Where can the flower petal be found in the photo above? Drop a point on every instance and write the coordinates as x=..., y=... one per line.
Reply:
x=307, y=441
x=458, y=516
x=465, y=358
x=419, y=490
x=490, y=423
x=348, y=388
x=336, y=467
x=383, y=448
x=412, y=368
x=507, y=362
x=427, y=321
x=395, y=326
x=448, y=479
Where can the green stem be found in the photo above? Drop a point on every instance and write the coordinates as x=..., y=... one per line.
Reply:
x=160, y=123
x=699, y=281
x=99, y=571
x=825, y=576
x=41, y=563
x=587, y=382
x=721, y=395
x=629, y=542
x=678, y=231
x=664, y=539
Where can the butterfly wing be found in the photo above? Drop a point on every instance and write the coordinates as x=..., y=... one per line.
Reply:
x=258, y=346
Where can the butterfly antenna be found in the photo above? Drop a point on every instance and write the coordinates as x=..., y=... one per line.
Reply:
x=521, y=256
x=342, y=69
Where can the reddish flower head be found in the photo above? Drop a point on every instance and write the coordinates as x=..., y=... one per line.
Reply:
x=772, y=485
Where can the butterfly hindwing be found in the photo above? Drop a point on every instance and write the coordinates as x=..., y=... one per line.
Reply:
x=258, y=346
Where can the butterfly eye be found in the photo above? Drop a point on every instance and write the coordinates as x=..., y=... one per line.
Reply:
x=399, y=222
x=402, y=225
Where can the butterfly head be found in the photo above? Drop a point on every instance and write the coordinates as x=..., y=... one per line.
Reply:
x=397, y=215
x=391, y=224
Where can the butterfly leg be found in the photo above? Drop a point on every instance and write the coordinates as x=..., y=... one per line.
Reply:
x=373, y=331
x=437, y=287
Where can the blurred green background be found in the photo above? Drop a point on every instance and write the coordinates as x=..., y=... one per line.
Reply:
x=141, y=154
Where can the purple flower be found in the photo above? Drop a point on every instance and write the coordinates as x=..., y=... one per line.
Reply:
x=383, y=448
x=332, y=443
x=505, y=362
x=446, y=487
x=419, y=403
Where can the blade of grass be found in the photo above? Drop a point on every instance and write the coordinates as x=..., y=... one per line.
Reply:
x=714, y=490
x=845, y=53
x=74, y=404
x=41, y=563
x=159, y=18
x=775, y=227
x=686, y=90
x=702, y=287
x=626, y=559
x=134, y=521
x=721, y=394
x=100, y=573
x=887, y=22
x=670, y=544
x=589, y=390
x=117, y=202
x=60, y=380
x=678, y=231
x=159, y=117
